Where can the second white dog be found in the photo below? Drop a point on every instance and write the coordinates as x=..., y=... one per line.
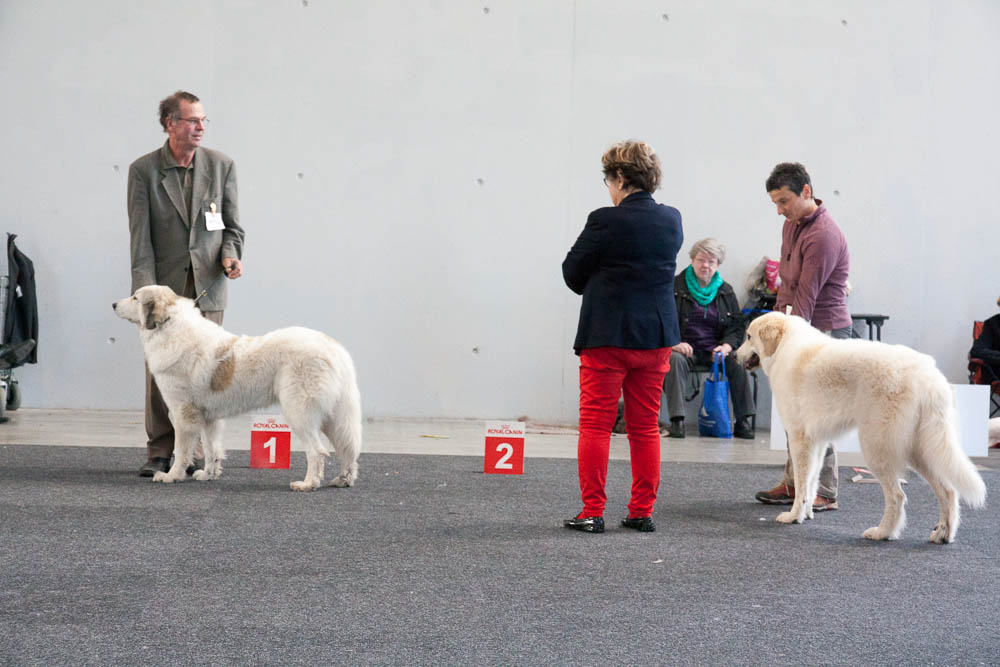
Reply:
x=206, y=374
x=896, y=397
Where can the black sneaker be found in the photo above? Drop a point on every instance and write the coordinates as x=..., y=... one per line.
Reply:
x=643, y=524
x=588, y=524
x=153, y=466
x=743, y=429
x=677, y=428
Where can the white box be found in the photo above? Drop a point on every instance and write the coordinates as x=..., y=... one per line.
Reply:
x=973, y=403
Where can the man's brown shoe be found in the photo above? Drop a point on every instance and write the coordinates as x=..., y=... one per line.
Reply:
x=779, y=495
x=785, y=495
x=824, y=504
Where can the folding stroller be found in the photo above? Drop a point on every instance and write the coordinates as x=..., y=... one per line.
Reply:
x=18, y=322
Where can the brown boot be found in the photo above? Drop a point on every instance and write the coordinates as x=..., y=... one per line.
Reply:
x=779, y=495
x=824, y=504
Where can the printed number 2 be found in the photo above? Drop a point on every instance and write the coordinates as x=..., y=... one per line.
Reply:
x=272, y=444
x=503, y=462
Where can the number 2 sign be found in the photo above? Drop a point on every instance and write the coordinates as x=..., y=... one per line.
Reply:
x=270, y=442
x=504, y=448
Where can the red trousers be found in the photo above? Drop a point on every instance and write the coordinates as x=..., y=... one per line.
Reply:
x=605, y=373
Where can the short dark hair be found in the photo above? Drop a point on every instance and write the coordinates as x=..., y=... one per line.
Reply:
x=636, y=161
x=791, y=174
x=170, y=107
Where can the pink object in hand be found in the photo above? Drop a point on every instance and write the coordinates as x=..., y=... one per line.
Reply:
x=771, y=275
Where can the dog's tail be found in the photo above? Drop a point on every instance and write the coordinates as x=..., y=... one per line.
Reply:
x=941, y=448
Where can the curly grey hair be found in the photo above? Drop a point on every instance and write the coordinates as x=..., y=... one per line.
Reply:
x=711, y=247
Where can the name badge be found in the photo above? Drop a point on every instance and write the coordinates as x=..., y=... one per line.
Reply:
x=213, y=219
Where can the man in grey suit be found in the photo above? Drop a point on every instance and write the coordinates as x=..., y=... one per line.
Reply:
x=185, y=233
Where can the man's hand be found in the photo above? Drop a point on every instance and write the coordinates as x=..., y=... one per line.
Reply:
x=725, y=349
x=233, y=267
x=685, y=349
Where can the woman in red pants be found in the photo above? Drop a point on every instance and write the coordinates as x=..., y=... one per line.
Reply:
x=623, y=264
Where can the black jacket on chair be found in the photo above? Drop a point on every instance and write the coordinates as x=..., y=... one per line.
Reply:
x=623, y=264
x=22, y=305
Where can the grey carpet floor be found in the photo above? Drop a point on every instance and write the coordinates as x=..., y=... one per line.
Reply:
x=427, y=562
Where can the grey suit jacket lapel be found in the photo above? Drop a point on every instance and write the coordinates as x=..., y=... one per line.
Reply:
x=173, y=188
x=201, y=183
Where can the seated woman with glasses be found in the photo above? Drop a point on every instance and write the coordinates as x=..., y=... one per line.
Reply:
x=710, y=321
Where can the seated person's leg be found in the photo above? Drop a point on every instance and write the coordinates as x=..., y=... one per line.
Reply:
x=674, y=386
x=619, y=426
x=742, y=397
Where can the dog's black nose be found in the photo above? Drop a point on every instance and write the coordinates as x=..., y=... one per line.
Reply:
x=113, y=306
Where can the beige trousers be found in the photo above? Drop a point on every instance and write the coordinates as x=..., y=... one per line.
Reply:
x=828, y=478
x=159, y=430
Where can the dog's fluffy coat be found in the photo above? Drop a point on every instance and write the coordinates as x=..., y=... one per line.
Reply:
x=896, y=397
x=205, y=374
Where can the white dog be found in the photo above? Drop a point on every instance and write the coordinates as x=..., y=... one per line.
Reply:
x=205, y=374
x=899, y=401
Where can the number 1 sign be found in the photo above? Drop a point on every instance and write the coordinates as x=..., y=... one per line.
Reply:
x=270, y=442
x=504, y=448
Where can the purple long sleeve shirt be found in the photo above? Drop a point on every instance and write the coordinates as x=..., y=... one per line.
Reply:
x=814, y=266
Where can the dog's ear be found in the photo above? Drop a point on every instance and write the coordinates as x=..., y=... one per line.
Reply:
x=149, y=320
x=154, y=311
x=770, y=333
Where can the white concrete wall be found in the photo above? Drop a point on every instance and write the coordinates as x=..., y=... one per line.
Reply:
x=413, y=173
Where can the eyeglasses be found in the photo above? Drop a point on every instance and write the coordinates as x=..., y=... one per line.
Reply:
x=193, y=122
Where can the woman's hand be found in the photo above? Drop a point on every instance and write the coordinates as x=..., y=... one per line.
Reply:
x=685, y=349
x=725, y=349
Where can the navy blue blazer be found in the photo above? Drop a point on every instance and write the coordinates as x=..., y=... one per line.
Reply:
x=623, y=264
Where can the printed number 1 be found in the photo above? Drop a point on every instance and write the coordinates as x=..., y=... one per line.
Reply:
x=503, y=463
x=272, y=444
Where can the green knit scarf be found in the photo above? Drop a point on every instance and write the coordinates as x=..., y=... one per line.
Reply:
x=703, y=295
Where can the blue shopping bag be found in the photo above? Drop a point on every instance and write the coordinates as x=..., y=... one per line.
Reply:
x=713, y=418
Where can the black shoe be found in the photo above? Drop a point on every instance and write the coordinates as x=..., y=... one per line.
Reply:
x=677, y=428
x=743, y=429
x=643, y=524
x=589, y=524
x=153, y=466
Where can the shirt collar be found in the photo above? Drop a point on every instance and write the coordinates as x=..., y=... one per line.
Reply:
x=815, y=214
x=635, y=196
x=167, y=157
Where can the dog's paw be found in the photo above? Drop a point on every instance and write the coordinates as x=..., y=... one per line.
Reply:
x=342, y=481
x=162, y=477
x=304, y=486
x=788, y=517
x=940, y=535
x=202, y=475
x=874, y=533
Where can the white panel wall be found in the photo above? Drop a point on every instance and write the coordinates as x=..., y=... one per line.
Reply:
x=412, y=174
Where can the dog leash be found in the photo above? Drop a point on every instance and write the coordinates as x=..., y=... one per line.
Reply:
x=225, y=272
